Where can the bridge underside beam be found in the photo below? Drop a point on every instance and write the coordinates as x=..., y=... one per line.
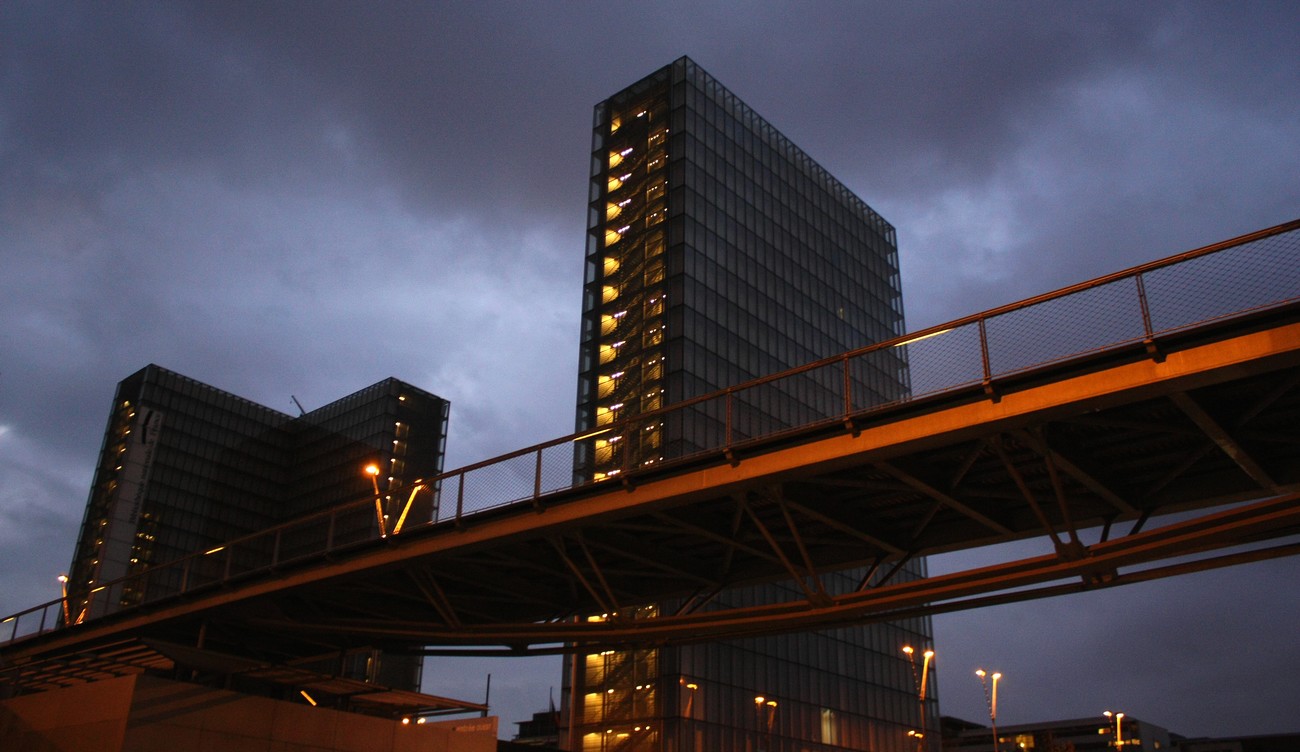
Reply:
x=1140, y=557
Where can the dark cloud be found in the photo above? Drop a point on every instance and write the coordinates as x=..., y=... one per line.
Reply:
x=301, y=198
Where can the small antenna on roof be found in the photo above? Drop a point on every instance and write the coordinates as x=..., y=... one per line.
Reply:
x=299, y=404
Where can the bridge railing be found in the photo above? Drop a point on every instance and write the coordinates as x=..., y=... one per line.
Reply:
x=1139, y=305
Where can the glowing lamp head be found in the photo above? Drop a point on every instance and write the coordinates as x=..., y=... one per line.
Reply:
x=63, y=578
x=760, y=700
x=907, y=649
x=980, y=673
x=372, y=469
x=929, y=654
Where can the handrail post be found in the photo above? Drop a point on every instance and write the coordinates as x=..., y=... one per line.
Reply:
x=1148, y=331
x=628, y=431
x=537, y=476
x=848, y=389
x=727, y=425
x=460, y=498
x=984, y=358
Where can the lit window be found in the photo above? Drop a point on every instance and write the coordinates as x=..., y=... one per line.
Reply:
x=608, y=293
x=616, y=157
x=617, y=182
x=611, y=265
x=612, y=237
x=656, y=191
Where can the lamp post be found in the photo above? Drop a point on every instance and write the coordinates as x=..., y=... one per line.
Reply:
x=373, y=471
x=920, y=683
x=63, y=588
x=1119, y=736
x=761, y=702
x=992, y=701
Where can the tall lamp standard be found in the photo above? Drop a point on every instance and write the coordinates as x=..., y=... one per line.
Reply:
x=920, y=683
x=63, y=588
x=373, y=471
x=992, y=701
x=760, y=703
x=1119, y=737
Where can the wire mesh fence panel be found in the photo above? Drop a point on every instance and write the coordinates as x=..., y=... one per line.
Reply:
x=945, y=360
x=1085, y=321
x=202, y=571
x=1236, y=280
x=557, y=465
x=305, y=538
x=31, y=622
x=156, y=583
x=105, y=599
x=695, y=428
x=503, y=482
x=251, y=554
x=792, y=401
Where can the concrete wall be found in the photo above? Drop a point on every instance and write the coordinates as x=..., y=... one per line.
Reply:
x=145, y=714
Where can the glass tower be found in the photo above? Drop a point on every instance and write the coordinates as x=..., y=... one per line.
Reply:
x=186, y=467
x=718, y=252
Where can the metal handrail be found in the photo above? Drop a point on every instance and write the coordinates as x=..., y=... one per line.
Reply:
x=1280, y=283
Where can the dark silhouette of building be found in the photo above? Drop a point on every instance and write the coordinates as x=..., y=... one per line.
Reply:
x=1252, y=743
x=718, y=252
x=186, y=467
x=542, y=730
x=1093, y=734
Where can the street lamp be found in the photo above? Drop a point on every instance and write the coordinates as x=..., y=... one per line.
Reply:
x=759, y=703
x=63, y=587
x=373, y=471
x=1119, y=736
x=920, y=683
x=992, y=701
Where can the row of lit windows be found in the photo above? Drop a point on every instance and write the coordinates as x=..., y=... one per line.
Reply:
x=631, y=341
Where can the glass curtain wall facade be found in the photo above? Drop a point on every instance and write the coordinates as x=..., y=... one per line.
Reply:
x=718, y=252
x=186, y=467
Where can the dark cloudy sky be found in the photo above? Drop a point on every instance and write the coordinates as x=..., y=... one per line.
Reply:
x=303, y=198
